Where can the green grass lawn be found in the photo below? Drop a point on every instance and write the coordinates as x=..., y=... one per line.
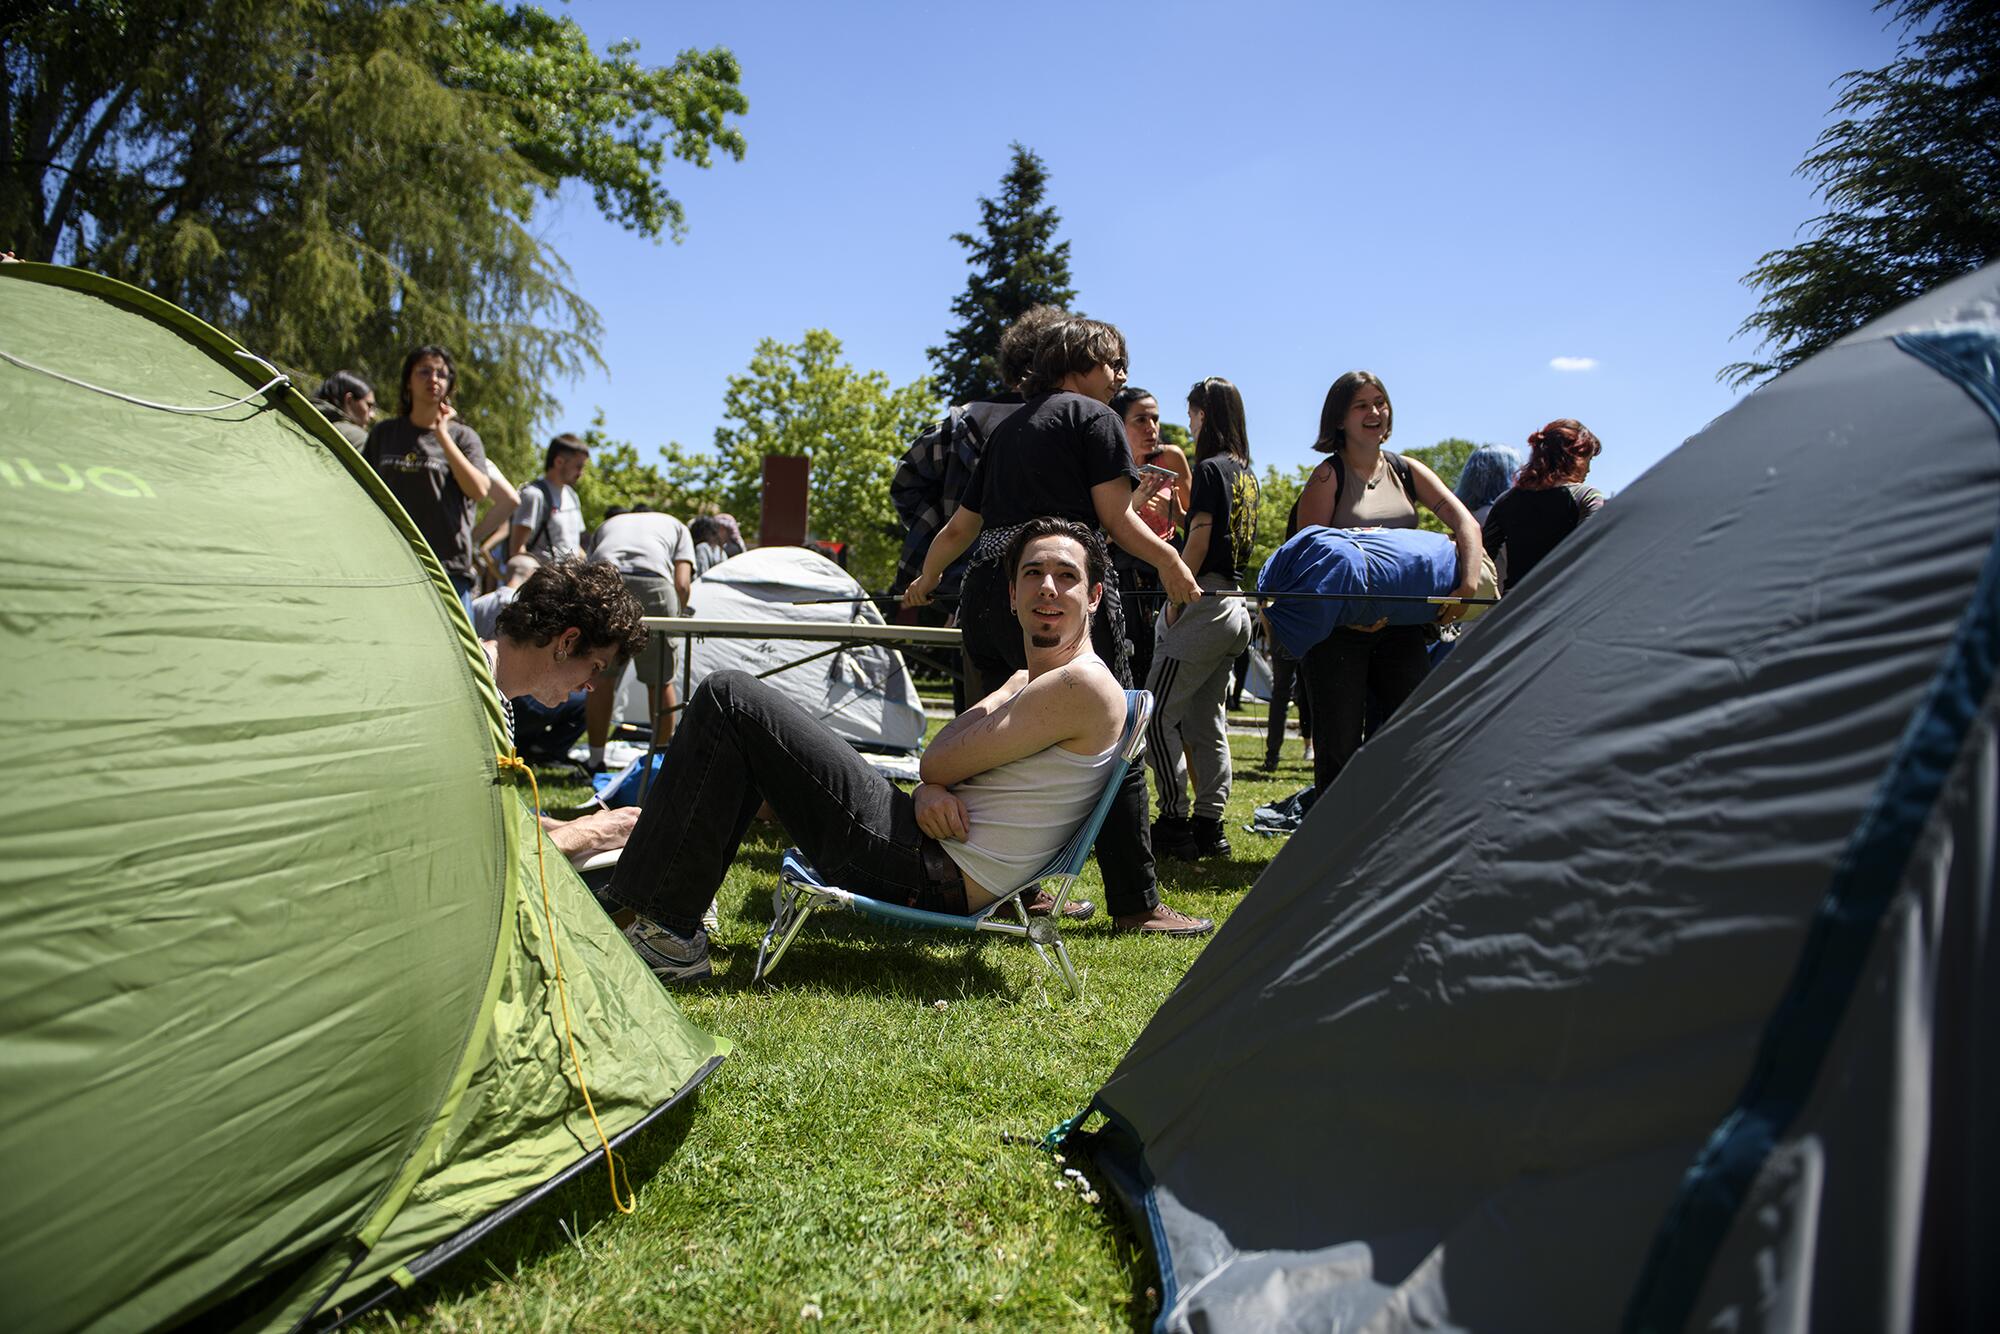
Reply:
x=868, y=1152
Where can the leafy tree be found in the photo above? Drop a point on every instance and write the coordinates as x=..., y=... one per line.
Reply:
x=1016, y=264
x=335, y=181
x=1175, y=434
x=1447, y=459
x=800, y=398
x=1911, y=178
x=681, y=484
x=1276, y=492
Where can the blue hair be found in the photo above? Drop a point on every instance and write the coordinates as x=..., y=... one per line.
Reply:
x=1487, y=473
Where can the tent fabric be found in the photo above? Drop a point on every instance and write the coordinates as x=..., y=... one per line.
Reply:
x=862, y=693
x=1632, y=976
x=271, y=954
x=1398, y=562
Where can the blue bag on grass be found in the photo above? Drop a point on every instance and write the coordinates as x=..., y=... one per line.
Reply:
x=623, y=787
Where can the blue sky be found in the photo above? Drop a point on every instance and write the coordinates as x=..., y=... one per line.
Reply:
x=1453, y=195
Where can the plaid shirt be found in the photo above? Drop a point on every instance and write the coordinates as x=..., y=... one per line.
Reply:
x=932, y=477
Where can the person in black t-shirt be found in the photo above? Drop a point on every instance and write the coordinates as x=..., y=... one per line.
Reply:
x=1547, y=502
x=1064, y=454
x=1197, y=645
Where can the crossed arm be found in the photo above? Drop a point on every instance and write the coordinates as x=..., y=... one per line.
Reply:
x=1079, y=704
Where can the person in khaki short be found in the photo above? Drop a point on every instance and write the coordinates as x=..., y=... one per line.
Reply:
x=654, y=554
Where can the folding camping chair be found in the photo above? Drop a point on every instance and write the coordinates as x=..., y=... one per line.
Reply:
x=801, y=891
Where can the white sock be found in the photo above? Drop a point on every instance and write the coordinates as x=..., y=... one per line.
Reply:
x=597, y=754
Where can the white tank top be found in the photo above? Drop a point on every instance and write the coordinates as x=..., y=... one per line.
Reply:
x=1019, y=814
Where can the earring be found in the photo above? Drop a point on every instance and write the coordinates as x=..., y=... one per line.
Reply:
x=561, y=656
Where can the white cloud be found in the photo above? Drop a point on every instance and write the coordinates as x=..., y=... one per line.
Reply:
x=1573, y=363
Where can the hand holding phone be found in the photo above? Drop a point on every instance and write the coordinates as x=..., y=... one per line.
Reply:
x=1153, y=481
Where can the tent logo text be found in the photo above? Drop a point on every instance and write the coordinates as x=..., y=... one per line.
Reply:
x=112, y=481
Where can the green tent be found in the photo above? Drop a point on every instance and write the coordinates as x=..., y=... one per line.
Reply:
x=281, y=1022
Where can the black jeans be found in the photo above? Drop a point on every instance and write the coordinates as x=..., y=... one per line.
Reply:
x=1343, y=671
x=993, y=652
x=741, y=743
x=1140, y=597
x=1287, y=677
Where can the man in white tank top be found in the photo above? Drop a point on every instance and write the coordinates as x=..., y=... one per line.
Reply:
x=1005, y=784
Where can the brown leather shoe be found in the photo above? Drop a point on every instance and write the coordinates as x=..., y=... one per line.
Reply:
x=1041, y=903
x=1164, y=921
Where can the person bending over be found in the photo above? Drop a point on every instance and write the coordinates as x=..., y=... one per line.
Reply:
x=570, y=627
x=1005, y=784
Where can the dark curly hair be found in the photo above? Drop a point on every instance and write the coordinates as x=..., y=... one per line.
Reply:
x=1096, y=562
x=1015, y=357
x=1561, y=454
x=573, y=592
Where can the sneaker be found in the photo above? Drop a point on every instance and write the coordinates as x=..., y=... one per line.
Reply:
x=1172, y=837
x=1040, y=903
x=1208, y=838
x=671, y=958
x=1163, y=921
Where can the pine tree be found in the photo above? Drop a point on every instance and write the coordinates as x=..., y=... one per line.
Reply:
x=1016, y=264
x=1911, y=179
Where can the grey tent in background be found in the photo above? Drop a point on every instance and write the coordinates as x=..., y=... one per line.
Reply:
x=1634, y=976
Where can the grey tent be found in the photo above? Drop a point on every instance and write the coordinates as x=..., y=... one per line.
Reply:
x=1634, y=976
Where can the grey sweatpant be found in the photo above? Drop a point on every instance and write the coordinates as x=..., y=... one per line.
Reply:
x=1190, y=681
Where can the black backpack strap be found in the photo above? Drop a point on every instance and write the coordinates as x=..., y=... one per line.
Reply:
x=548, y=511
x=1403, y=474
x=1339, y=478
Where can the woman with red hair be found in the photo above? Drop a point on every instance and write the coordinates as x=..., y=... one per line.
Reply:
x=1547, y=502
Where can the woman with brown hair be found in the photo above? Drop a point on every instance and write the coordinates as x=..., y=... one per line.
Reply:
x=1197, y=645
x=1548, y=499
x=1363, y=485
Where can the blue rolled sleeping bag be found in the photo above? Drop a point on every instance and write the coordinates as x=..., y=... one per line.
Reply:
x=1408, y=562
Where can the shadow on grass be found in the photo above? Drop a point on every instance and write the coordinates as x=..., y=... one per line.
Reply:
x=549, y=1225
x=1213, y=875
x=837, y=954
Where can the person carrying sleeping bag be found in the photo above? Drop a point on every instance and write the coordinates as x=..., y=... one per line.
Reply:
x=1363, y=485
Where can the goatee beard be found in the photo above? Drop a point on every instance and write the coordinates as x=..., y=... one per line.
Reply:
x=1045, y=641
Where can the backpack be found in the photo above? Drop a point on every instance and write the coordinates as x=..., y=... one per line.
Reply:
x=933, y=475
x=548, y=512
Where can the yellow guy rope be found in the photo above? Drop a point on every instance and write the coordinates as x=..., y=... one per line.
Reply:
x=514, y=763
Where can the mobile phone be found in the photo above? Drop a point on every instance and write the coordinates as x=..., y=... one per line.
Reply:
x=1168, y=473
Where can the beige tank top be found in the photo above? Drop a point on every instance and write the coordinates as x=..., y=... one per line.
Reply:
x=1375, y=502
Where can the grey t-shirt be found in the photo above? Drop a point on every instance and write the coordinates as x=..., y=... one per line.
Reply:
x=551, y=536
x=486, y=609
x=643, y=543
x=412, y=465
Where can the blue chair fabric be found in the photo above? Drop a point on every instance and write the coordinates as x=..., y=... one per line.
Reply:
x=802, y=891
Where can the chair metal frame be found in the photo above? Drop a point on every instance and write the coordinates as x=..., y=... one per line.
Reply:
x=801, y=892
